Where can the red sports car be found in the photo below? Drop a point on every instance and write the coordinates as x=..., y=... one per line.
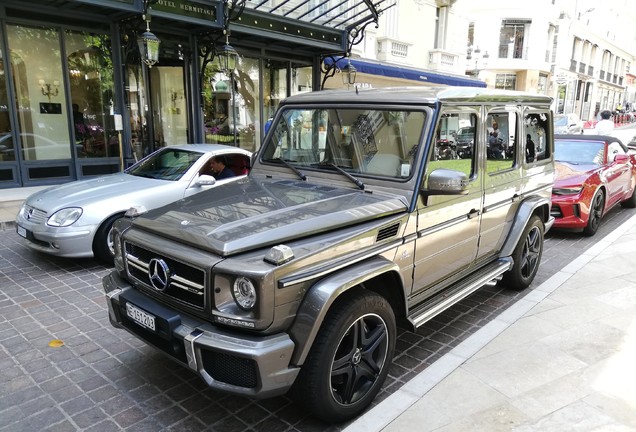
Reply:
x=593, y=174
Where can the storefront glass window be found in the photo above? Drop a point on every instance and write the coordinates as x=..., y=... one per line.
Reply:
x=274, y=88
x=37, y=75
x=247, y=113
x=7, y=151
x=301, y=78
x=90, y=70
x=217, y=103
x=169, y=105
x=137, y=107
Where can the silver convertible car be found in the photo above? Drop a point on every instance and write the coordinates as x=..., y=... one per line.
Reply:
x=75, y=219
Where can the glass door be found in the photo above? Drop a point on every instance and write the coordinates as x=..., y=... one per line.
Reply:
x=169, y=108
x=158, y=99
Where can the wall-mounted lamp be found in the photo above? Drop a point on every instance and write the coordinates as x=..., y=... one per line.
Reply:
x=148, y=44
x=348, y=74
x=50, y=90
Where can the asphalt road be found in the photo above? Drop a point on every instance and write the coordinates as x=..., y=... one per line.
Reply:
x=103, y=379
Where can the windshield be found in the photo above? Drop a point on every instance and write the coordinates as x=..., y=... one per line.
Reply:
x=360, y=141
x=166, y=164
x=579, y=152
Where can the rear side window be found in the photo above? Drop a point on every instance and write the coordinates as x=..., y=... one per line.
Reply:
x=536, y=144
x=501, y=148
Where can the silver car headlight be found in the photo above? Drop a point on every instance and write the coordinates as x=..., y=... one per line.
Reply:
x=64, y=217
x=244, y=293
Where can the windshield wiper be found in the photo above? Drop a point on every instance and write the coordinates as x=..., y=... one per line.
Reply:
x=343, y=172
x=290, y=166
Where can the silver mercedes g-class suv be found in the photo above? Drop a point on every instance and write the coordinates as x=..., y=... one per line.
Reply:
x=295, y=277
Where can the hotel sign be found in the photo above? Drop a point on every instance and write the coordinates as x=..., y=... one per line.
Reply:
x=187, y=8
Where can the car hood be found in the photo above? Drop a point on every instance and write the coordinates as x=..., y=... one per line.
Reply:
x=249, y=214
x=85, y=192
x=573, y=174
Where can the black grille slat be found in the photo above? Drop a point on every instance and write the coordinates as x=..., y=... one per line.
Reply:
x=388, y=232
x=187, y=283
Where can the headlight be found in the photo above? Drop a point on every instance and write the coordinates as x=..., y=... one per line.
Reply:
x=244, y=293
x=567, y=191
x=118, y=259
x=64, y=217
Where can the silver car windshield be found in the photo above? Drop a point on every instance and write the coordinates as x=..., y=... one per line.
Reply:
x=166, y=164
x=360, y=141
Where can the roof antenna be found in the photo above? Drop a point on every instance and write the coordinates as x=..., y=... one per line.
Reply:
x=357, y=90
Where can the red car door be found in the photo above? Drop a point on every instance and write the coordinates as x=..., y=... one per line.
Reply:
x=618, y=174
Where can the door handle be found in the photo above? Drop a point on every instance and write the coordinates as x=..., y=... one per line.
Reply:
x=516, y=197
x=473, y=213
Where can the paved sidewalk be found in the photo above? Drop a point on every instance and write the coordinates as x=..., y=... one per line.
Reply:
x=561, y=359
x=11, y=201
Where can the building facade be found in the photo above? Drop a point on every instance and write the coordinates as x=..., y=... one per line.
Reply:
x=417, y=42
x=578, y=52
x=78, y=100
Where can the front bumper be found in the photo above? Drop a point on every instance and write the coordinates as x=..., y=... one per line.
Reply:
x=569, y=213
x=231, y=361
x=76, y=242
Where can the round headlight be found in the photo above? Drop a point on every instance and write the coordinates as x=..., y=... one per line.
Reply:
x=64, y=217
x=244, y=293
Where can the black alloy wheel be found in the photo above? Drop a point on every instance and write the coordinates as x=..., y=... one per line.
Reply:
x=596, y=213
x=350, y=358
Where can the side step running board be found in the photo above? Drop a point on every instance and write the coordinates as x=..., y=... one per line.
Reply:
x=448, y=297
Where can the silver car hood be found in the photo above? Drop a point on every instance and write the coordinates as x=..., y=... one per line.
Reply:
x=85, y=192
x=250, y=214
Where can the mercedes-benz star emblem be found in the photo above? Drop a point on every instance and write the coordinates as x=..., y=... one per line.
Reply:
x=29, y=214
x=159, y=274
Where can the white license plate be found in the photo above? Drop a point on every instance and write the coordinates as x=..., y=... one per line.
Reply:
x=142, y=318
x=22, y=232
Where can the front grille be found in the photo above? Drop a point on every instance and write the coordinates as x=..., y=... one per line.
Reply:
x=36, y=216
x=186, y=283
x=230, y=369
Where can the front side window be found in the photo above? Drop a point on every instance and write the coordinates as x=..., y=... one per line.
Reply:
x=455, y=140
x=359, y=141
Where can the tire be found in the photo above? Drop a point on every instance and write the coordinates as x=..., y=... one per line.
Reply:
x=103, y=241
x=631, y=201
x=526, y=256
x=596, y=213
x=349, y=359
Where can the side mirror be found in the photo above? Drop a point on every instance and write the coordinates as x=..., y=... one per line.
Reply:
x=444, y=181
x=621, y=158
x=205, y=180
